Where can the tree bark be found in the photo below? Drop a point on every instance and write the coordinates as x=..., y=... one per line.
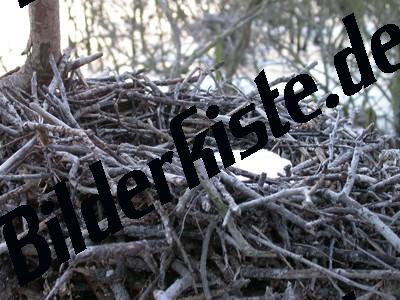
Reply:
x=44, y=39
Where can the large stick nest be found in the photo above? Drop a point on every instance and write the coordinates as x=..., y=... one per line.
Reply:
x=327, y=226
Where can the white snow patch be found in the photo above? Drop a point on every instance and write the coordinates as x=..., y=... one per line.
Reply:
x=262, y=161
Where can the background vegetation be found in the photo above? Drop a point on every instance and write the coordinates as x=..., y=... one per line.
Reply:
x=174, y=37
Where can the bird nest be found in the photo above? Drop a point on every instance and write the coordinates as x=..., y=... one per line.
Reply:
x=326, y=226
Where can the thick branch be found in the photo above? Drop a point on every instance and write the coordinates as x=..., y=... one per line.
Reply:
x=44, y=39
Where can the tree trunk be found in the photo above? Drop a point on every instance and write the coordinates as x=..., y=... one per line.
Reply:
x=44, y=39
